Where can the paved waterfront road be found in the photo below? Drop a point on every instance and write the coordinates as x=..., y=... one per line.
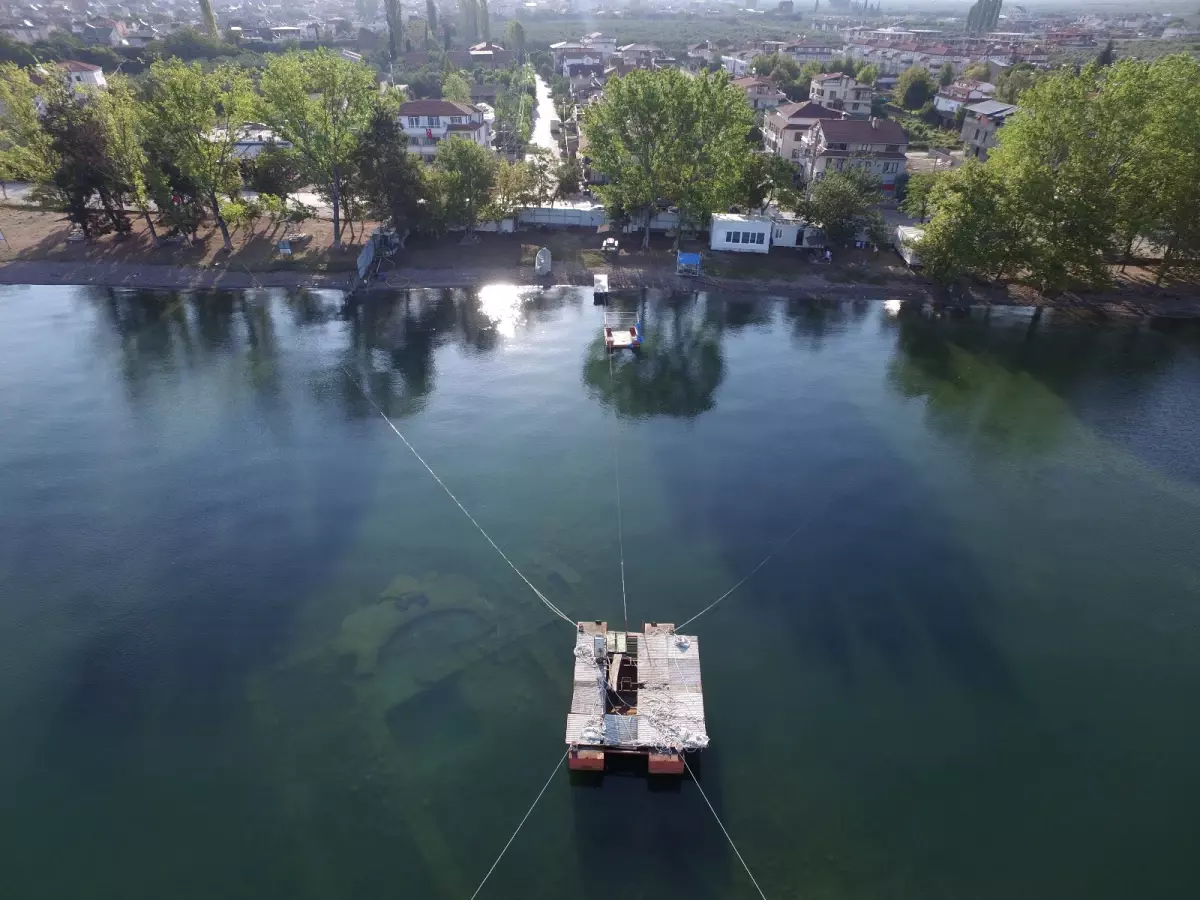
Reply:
x=541, y=118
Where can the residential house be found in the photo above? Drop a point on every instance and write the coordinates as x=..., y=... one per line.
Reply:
x=703, y=54
x=252, y=139
x=484, y=93
x=604, y=44
x=567, y=54
x=428, y=122
x=642, y=56
x=805, y=53
x=82, y=76
x=104, y=32
x=874, y=145
x=26, y=31
x=948, y=99
x=736, y=64
x=982, y=122
x=581, y=75
x=787, y=126
x=761, y=94
x=281, y=33
x=141, y=37
x=490, y=56
x=839, y=91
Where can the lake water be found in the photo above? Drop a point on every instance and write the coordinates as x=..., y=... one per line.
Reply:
x=252, y=650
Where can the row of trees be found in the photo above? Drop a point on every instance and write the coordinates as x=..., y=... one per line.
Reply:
x=1096, y=162
x=170, y=152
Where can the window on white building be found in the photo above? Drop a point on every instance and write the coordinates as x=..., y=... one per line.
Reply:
x=435, y=121
x=456, y=120
x=414, y=121
x=733, y=237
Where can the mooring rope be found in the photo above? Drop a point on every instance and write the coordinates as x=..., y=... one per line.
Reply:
x=723, y=829
x=617, y=469
x=766, y=559
x=522, y=822
x=554, y=609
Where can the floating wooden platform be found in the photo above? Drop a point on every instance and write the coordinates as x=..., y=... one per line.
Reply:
x=622, y=331
x=635, y=693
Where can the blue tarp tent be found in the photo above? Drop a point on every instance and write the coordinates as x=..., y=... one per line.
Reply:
x=687, y=264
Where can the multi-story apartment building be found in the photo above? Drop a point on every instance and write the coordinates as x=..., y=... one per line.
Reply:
x=429, y=122
x=837, y=90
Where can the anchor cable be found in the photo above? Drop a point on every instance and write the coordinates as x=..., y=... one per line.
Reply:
x=617, y=469
x=766, y=559
x=522, y=822
x=554, y=609
x=723, y=829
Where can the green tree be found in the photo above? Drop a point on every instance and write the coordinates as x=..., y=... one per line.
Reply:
x=1172, y=127
x=24, y=145
x=946, y=74
x=195, y=118
x=469, y=15
x=868, y=75
x=1108, y=55
x=516, y=38
x=126, y=128
x=1052, y=159
x=279, y=172
x=516, y=184
x=431, y=16
x=973, y=231
x=455, y=87
x=83, y=173
x=568, y=178
x=207, y=17
x=914, y=88
x=391, y=183
x=979, y=71
x=468, y=173
x=919, y=191
x=843, y=204
x=395, y=23
x=485, y=31
x=768, y=179
x=667, y=139
x=1014, y=81
x=322, y=104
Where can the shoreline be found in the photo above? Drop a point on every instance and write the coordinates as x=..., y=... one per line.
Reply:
x=154, y=276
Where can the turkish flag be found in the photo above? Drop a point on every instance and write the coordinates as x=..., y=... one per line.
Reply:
x=429, y=132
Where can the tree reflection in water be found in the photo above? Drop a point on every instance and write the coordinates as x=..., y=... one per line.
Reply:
x=1012, y=382
x=392, y=339
x=677, y=370
x=812, y=320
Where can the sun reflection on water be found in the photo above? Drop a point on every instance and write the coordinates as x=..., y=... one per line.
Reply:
x=502, y=305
